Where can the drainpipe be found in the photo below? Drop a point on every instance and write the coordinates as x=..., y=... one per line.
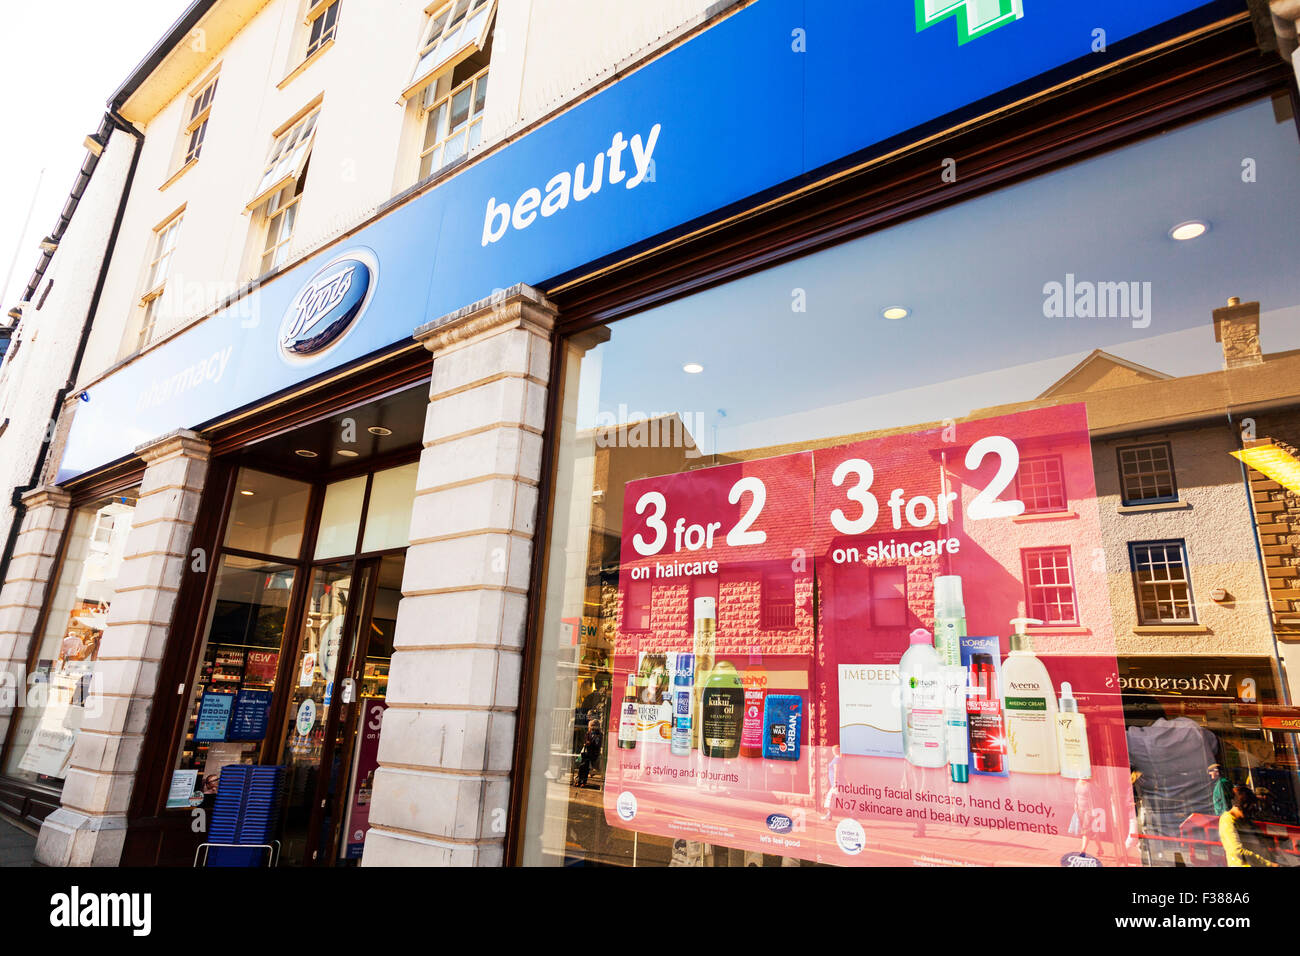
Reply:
x=112, y=120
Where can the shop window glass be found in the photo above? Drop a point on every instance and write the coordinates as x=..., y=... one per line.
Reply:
x=1041, y=485
x=340, y=518
x=267, y=514
x=783, y=408
x=388, y=516
x=235, y=685
x=1164, y=591
x=58, y=692
x=1147, y=474
x=1049, y=585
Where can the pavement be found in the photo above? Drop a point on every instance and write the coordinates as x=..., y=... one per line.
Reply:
x=17, y=845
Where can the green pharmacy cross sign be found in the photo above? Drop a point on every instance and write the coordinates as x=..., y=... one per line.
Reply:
x=974, y=17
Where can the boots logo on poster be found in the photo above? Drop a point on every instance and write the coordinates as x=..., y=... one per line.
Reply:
x=328, y=306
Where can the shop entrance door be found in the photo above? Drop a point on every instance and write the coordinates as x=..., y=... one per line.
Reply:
x=330, y=737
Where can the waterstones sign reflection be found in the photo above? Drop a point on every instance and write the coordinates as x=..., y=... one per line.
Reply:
x=826, y=655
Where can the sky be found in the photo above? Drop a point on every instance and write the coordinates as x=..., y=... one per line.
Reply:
x=56, y=81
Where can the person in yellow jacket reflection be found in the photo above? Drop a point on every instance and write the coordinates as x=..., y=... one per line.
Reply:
x=1244, y=805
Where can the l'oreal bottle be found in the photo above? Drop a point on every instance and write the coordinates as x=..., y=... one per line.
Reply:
x=1072, y=737
x=627, y=716
x=683, y=704
x=955, y=722
x=1030, y=704
x=705, y=646
x=949, y=619
x=988, y=739
x=921, y=683
x=722, y=714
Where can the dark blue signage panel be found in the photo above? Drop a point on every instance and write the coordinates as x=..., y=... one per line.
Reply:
x=766, y=98
x=249, y=716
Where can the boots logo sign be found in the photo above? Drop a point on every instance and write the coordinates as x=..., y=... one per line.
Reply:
x=328, y=306
x=974, y=17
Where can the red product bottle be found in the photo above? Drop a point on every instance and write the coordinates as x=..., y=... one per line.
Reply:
x=988, y=737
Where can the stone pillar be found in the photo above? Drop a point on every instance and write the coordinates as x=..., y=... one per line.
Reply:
x=441, y=793
x=88, y=830
x=26, y=586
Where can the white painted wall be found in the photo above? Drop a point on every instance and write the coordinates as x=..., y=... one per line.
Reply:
x=31, y=379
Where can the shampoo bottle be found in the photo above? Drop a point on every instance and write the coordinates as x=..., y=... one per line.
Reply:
x=705, y=646
x=1072, y=737
x=754, y=681
x=921, y=682
x=1030, y=704
x=683, y=701
x=627, y=716
x=722, y=713
x=949, y=618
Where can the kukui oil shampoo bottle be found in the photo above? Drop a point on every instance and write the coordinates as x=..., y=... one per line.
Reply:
x=705, y=646
x=721, y=716
x=1072, y=737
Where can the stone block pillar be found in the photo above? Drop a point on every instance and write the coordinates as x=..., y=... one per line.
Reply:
x=26, y=586
x=89, y=829
x=442, y=789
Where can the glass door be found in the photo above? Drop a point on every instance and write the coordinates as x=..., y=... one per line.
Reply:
x=368, y=670
x=316, y=719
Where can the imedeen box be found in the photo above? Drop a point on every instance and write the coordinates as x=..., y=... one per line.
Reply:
x=871, y=722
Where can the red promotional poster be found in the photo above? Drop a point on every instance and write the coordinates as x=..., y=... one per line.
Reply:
x=714, y=660
x=897, y=651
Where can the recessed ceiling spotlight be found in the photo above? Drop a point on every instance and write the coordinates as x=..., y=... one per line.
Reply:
x=305, y=453
x=692, y=368
x=1192, y=229
x=245, y=491
x=346, y=453
x=895, y=312
x=380, y=430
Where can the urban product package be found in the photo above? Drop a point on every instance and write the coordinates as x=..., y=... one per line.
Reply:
x=985, y=726
x=782, y=725
x=870, y=713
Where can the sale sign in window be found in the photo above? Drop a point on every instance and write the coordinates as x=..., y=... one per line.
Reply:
x=894, y=651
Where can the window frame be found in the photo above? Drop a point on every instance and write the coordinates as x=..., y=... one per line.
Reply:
x=420, y=79
x=768, y=606
x=1031, y=589
x=275, y=218
x=473, y=121
x=197, y=123
x=1059, y=462
x=1123, y=479
x=155, y=286
x=318, y=11
x=294, y=142
x=1181, y=543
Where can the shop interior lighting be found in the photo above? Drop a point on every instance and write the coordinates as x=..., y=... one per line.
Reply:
x=380, y=430
x=1275, y=462
x=895, y=312
x=1192, y=229
x=692, y=368
x=305, y=453
x=245, y=491
x=347, y=453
